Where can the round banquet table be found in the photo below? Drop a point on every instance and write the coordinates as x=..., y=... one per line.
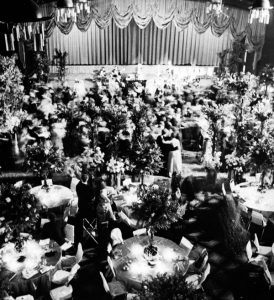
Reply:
x=255, y=200
x=40, y=283
x=139, y=270
x=56, y=196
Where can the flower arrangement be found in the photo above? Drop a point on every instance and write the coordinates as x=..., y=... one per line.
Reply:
x=88, y=161
x=156, y=208
x=146, y=156
x=12, y=120
x=164, y=286
x=43, y=159
x=236, y=163
x=261, y=153
x=18, y=213
x=60, y=58
x=115, y=166
x=212, y=161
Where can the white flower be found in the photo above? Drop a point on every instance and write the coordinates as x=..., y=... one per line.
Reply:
x=27, y=218
x=8, y=200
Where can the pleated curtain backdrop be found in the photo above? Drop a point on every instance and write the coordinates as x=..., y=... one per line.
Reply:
x=152, y=32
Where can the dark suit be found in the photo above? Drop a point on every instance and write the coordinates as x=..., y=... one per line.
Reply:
x=86, y=208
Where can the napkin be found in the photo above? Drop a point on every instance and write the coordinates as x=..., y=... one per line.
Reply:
x=44, y=242
x=28, y=273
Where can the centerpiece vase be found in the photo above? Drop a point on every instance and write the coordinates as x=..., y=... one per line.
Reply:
x=45, y=184
x=151, y=250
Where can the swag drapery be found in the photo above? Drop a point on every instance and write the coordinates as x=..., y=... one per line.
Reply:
x=152, y=32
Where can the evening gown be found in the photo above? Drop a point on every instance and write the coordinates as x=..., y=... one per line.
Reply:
x=175, y=158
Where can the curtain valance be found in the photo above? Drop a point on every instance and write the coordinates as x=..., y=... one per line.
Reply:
x=180, y=13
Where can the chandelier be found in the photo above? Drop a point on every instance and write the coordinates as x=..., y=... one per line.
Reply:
x=260, y=11
x=215, y=7
x=71, y=9
x=25, y=23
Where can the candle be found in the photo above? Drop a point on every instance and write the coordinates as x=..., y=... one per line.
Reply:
x=6, y=42
x=245, y=56
x=17, y=32
x=41, y=42
x=34, y=42
x=12, y=42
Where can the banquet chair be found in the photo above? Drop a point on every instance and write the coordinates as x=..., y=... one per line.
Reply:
x=69, y=261
x=115, y=289
x=223, y=189
x=74, y=202
x=186, y=245
x=141, y=231
x=259, y=220
x=249, y=251
x=48, y=181
x=91, y=229
x=61, y=277
x=196, y=280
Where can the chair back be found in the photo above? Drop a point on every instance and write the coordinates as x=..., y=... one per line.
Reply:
x=141, y=231
x=205, y=274
x=79, y=253
x=110, y=264
x=105, y=284
x=202, y=261
x=248, y=249
x=256, y=242
x=258, y=219
x=73, y=272
x=186, y=245
x=48, y=181
x=223, y=189
x=116, y=236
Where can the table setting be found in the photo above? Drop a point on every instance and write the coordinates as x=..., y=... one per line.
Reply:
x=134, y=264
x=32, y=265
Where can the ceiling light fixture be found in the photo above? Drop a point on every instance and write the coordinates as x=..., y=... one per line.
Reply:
x=215, y=7
x=68, y=9
x=260, y=11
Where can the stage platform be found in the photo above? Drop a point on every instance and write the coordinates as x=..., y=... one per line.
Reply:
x=156, y=73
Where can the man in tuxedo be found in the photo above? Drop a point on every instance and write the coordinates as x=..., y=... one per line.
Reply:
x=86, y=206
x=165, y=148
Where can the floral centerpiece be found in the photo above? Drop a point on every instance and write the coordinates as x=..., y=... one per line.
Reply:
x=43, y=159
x=146, y=156
x=116, y=167
x=88, y=161
x=18, y=213
x=235, y=164
x=157, y=210
x=164, y=286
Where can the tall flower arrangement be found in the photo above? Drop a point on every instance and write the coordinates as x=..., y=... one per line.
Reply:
x=43, y=159
x=88, y=161
x=146, y=156
x=157, y=208
x=165, y=286
x=18, y=213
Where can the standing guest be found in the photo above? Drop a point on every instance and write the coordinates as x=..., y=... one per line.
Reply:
x=174, y=156
x=86, y=206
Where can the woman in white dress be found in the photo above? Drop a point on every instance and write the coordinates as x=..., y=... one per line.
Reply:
x=175, y=155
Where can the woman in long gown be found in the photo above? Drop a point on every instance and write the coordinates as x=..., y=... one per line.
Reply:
x=174, y=156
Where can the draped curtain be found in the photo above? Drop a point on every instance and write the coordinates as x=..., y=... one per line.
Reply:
x=152, y=32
